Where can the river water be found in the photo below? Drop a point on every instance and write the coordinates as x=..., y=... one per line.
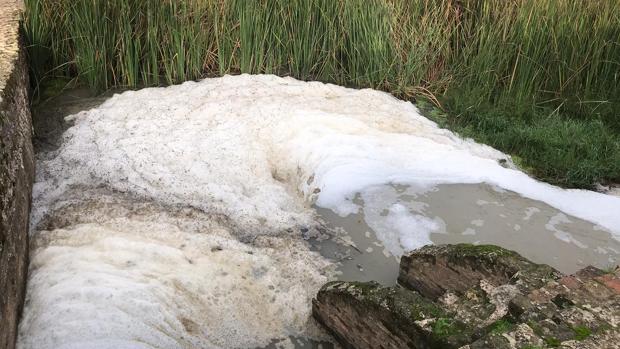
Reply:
x=207, y=215
x=465, y=213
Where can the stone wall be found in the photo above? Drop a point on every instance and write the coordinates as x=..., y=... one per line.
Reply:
x=475, y=297
x=16, y=171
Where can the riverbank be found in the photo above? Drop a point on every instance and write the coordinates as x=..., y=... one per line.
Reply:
x=535, y=79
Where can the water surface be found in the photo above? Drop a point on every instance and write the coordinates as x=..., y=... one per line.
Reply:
x=465, y=213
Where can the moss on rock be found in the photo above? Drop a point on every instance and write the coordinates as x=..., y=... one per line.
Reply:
x=476, y=297
x=398, y=310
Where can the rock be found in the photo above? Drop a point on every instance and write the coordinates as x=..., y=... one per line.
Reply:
x=434, y=270
x=486, y=296
x=578, y=311
x=16, y=172
x=517, y=336
x=367, y=315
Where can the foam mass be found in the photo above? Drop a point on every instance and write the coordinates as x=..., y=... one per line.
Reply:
x=137, y=284
x=258, y=148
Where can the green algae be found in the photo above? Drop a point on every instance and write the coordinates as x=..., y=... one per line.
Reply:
x=581, y=332
x=501, y=326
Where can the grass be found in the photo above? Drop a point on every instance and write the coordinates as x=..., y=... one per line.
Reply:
x=501, y=326
x=552, y=342
x=538, y=79
x=582, y=332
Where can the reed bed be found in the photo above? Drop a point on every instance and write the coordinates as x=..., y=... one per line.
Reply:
x=539, y=79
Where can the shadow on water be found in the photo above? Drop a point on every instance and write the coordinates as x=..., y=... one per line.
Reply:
x=48, y=118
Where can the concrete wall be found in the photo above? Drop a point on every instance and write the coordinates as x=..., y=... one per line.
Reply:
x=16, y=171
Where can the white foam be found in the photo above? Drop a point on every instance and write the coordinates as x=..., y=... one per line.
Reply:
x=246, y=141
x=567, y=237
x=469, y=231
x=130, y=284
x=529, y=212
x=400, y=225
x=477, y=222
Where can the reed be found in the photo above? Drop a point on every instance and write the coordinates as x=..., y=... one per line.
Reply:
x=539, y=79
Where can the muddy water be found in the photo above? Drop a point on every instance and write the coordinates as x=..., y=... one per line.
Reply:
x=468, y=213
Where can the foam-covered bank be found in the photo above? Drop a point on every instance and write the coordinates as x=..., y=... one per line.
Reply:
x=174, y=217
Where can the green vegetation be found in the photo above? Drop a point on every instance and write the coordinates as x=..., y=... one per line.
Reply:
x=552, y=342
x=449, y=333
x=501, y=326
x=409, y=306
x=492, y=252
x=582, y=332
x=611, y=268
x=538, y=79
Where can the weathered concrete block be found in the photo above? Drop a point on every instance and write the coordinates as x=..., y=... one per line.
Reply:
x=475, y=297
x=16, y=171
x=577, y=311
x=436, y=269
x=367, y=315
